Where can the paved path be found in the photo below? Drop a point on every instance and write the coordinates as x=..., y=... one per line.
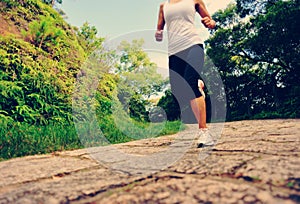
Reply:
x=253, y=162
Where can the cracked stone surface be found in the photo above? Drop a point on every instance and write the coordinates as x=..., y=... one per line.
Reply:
x=253, y=162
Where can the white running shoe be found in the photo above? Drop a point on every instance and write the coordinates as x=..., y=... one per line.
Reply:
x=205, y=138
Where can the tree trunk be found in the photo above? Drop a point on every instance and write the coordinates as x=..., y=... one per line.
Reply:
x=42, y=40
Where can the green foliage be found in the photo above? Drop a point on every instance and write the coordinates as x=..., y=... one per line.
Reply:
x=36, y=84
x=105, y=95
x=256, y=48
x=44, y=33
x=8, y=4
x=133, y=58
x=38, y=100
x=52, y=2
x=87, y=36
x=137, y=109
x=138, y=79
x=169, y=103
x=172, y=127
x=30, y=91
x=21, y=139
x=112, y=133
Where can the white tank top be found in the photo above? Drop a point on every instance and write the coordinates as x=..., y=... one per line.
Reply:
x=179, y=18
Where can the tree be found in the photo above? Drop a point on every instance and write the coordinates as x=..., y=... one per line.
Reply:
x=170, y=105
x=256, y=48
x=52, y=2
x=43, y=32
x=138, y=77
x=87, y=36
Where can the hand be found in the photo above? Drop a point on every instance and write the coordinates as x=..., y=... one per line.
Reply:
x=208, y=22
x=159, y=35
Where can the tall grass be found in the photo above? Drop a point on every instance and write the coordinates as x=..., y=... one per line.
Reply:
x=22, y=139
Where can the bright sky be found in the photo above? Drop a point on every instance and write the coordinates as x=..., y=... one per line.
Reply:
x=114, y=18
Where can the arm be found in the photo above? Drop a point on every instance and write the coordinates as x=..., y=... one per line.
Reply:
x=161, y=18
x=160, y=23
x=207, y=21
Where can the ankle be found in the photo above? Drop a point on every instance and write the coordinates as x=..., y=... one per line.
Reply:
x=203, y=129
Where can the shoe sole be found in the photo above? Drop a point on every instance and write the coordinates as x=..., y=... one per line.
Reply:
x=201, y=145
